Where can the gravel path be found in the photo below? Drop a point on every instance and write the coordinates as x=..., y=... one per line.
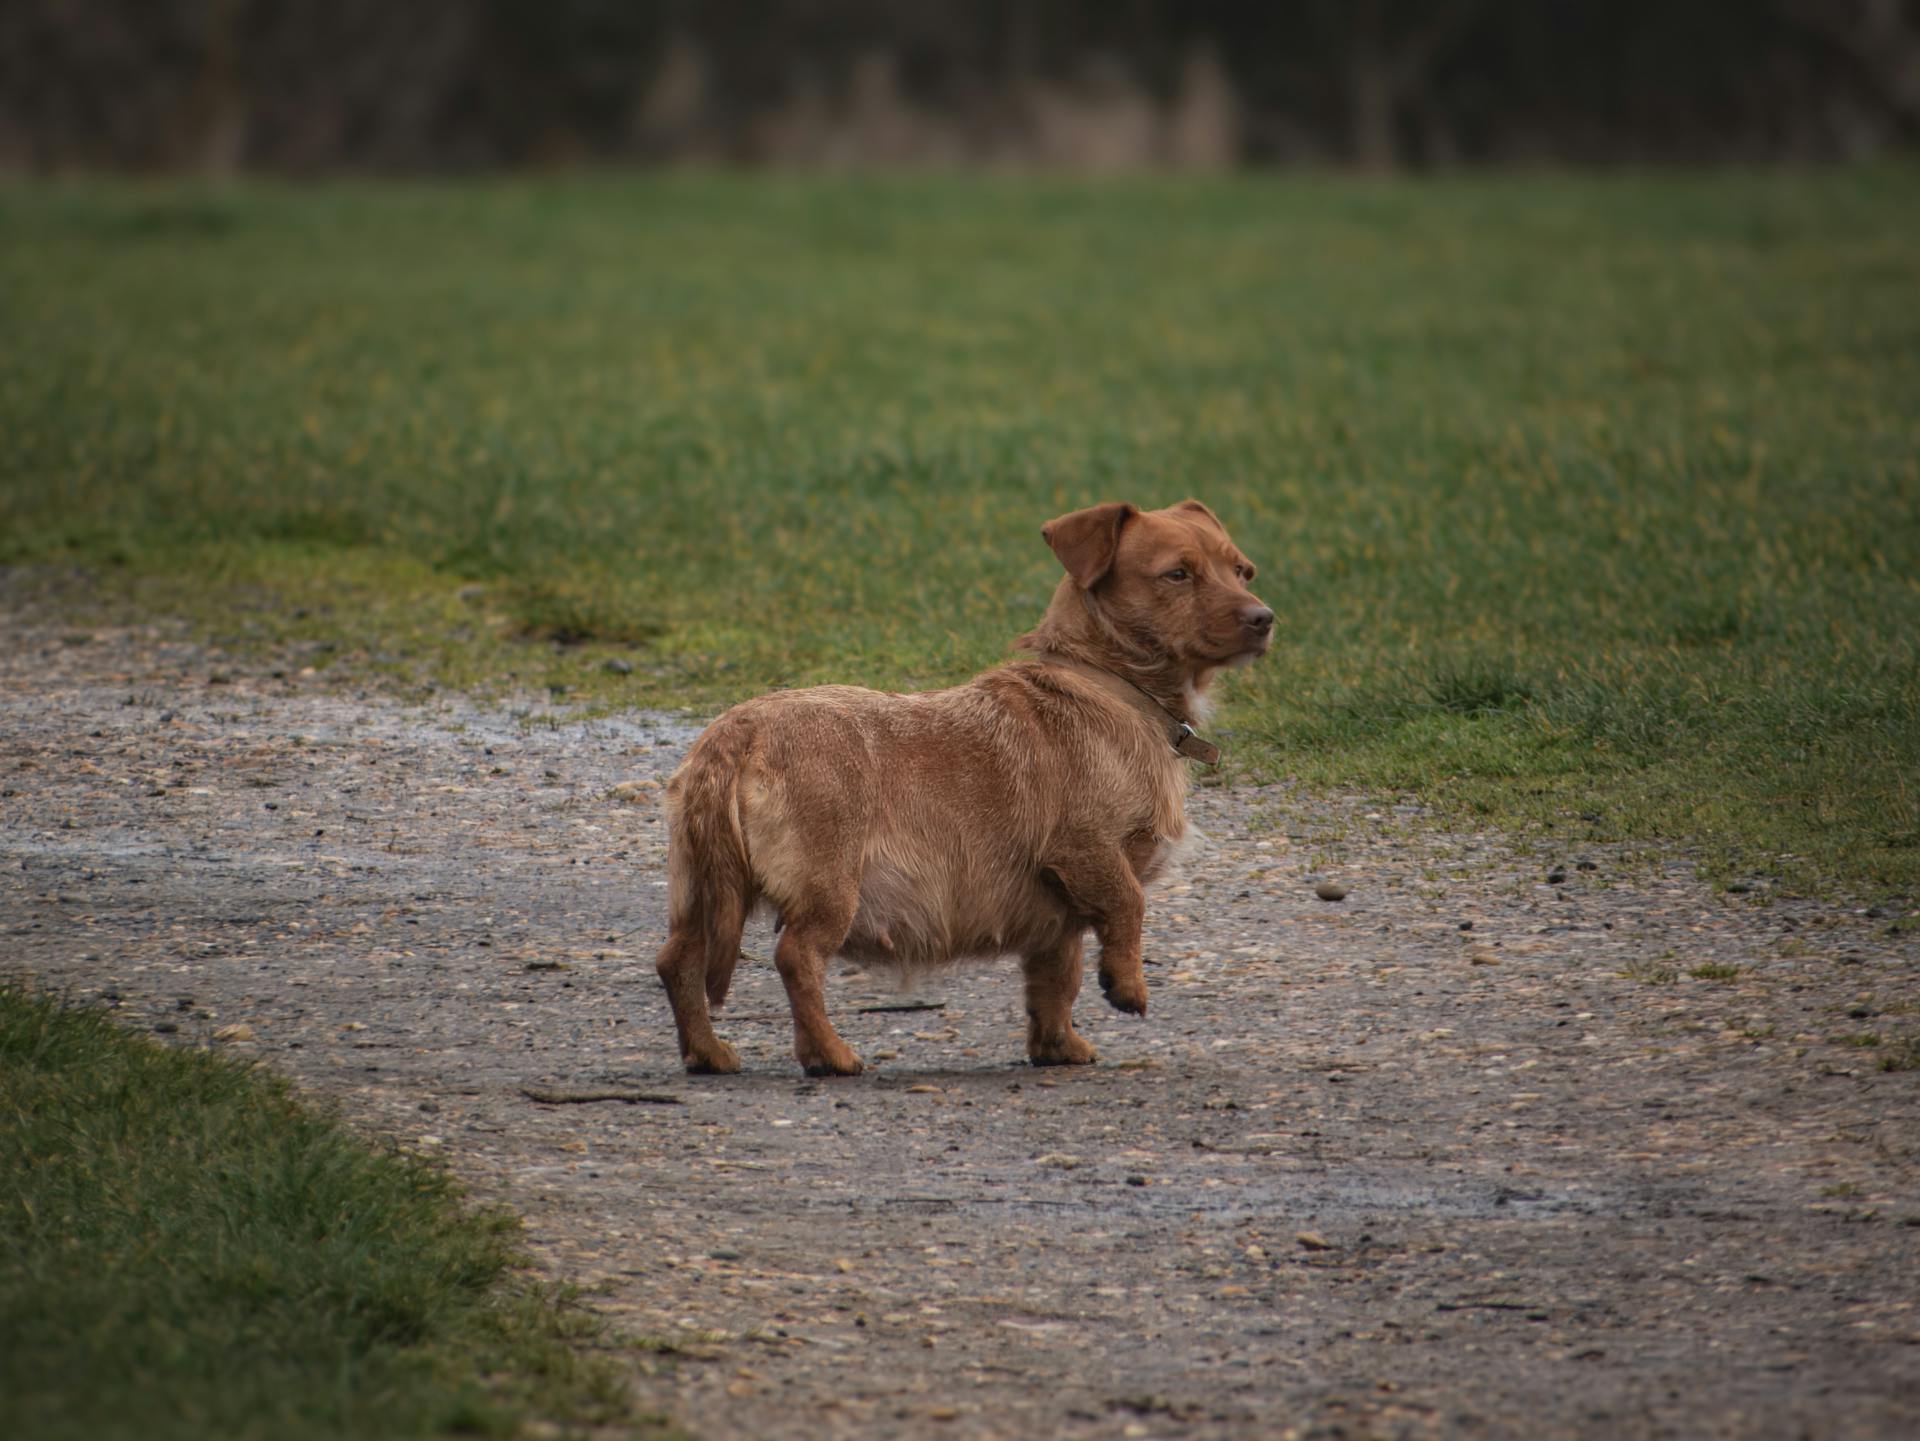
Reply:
x=1468, y=1152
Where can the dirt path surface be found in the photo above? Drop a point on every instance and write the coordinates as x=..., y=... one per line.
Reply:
x=1469, y=1152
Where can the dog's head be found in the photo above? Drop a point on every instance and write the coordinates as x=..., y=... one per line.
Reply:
x=1170, y=581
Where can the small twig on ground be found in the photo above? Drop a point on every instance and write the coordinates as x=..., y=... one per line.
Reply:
x=582, y=1098
x=905, y=1006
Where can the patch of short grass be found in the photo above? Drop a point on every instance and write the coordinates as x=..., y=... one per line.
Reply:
x=1714, y=971
x=1589, y=506
x=1902, y=1054
x=188, y=1251
x=1651, y=973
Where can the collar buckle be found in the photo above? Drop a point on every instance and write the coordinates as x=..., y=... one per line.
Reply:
x=1193, y=748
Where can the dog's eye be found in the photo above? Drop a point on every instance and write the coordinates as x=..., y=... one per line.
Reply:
x=1245, y=572
x=1177, y=573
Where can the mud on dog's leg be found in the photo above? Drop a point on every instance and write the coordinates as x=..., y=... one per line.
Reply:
x=1053, y=981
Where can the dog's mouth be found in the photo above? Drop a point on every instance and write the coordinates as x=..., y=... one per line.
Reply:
x=1252, y=645
x=1243, y=652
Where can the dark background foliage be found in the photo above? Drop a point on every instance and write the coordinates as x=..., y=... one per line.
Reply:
x=302, y=86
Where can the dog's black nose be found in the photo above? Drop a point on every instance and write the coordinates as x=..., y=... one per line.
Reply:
x=1259, y=619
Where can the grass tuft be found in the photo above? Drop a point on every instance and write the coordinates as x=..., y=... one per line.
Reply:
x=1477, y=688
x=572, y=613
x=1901, y=1055
x=1651, y=973
x=1715, y=971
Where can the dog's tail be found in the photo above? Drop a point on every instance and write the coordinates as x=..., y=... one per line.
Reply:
x=710, y=885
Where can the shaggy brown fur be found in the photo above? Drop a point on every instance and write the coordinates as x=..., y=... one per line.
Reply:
x=1007, y=815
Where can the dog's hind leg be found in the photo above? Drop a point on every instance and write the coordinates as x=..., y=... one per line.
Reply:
x=813, y=933
x=683, y=968
x=1053, y=980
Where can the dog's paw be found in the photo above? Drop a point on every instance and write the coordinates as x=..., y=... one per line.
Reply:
x=718, y=1060
x=835, y=1060
x=1125, y=993
x=1072, y=1049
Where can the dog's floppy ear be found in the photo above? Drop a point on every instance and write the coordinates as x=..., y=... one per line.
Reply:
x=1199, y=509
x=1087, y=540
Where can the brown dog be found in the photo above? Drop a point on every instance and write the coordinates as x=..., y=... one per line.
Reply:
x=1005, y=815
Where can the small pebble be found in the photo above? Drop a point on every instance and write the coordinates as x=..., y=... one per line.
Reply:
x=1328, y=891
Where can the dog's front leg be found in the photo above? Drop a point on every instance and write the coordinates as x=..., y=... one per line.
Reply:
x=1103, y=888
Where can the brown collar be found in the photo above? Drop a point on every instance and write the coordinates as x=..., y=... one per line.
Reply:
x=1181, y=736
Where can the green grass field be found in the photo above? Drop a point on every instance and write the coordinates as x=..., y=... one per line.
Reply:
x=186, y=1252
x=1578, y=498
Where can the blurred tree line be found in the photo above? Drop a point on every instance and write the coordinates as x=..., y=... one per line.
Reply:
x=302, y=86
